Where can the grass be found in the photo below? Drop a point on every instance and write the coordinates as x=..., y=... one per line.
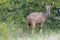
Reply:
x=47, y=34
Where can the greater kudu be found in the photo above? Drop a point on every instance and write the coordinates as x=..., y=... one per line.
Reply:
x=39, y=17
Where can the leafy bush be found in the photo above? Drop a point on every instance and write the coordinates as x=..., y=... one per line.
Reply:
x=3, y=31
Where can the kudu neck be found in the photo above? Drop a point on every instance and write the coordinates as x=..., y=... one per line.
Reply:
x=47, y=14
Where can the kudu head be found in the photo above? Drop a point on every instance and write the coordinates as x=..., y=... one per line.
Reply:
x=47, y=7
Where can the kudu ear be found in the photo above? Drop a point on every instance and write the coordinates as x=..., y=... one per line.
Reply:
x=43, y=4
x=52, y=4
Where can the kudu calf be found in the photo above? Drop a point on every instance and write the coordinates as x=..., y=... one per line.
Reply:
x=38, y=17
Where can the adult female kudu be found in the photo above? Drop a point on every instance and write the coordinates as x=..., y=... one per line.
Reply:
x=38, y=17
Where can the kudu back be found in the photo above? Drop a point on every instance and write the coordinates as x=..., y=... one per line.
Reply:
x=38, y=17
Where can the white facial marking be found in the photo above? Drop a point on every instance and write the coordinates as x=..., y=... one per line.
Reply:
x=47, y=7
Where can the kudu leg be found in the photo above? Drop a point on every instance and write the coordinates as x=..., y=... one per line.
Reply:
x=33, y=28
x=41, y=27
x=28, y=28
